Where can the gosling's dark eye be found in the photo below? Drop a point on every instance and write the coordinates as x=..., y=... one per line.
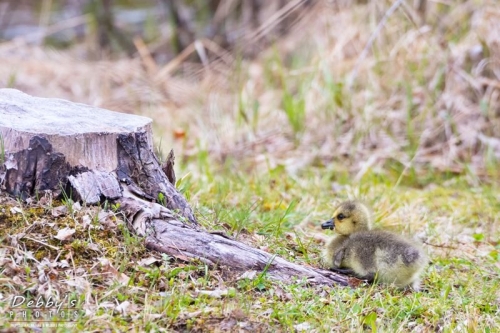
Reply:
x=340, y=216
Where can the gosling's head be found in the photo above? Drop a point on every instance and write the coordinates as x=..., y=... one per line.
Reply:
x=350, y=217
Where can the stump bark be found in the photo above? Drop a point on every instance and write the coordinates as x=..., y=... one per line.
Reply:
x=93, y=155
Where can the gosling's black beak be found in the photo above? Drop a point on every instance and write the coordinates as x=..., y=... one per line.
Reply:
x=328, y=225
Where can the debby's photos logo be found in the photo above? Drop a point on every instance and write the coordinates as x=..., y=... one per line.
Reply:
x=27, y=311
x=40, y=302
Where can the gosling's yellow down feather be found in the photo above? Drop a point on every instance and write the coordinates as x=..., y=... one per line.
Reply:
x=371, y=254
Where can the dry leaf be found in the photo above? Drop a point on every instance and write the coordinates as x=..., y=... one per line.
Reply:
x=217, y=293
x=248, y=275
x=64, y=234
x=147, y=261
x=17, y=280
x=302, y=327
x=107, y=305
x=105, y=219
x=77, y=207
x=94, y=247
x=16, y=210
x=59, y=211
x=354, y=282
x=123, y=307
x=63, y=264
x=86, y=221
x=227, y=325
x=238, y=314
x=81, y=284
x=102, y=215
x=179, y=133
x=113, y=272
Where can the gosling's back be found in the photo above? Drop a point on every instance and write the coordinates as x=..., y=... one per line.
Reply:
x=388, y=257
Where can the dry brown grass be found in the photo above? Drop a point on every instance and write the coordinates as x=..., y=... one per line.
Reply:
x=422, y=96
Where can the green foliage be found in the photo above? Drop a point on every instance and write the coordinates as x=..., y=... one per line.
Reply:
x=295, y=110
x=161, y=199
x=11, y=82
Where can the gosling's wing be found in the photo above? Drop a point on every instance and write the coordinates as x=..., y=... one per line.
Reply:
x=411, y=255
x=398, y=247
x=360, y=252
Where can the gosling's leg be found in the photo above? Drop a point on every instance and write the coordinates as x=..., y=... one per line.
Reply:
x=370, y=278
x=339, y=257
x=345, y=271
x=416, y=285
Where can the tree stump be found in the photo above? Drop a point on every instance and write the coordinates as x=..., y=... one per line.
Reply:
x=93, y=155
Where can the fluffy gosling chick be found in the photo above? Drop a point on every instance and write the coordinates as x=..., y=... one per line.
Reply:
x=371, y=254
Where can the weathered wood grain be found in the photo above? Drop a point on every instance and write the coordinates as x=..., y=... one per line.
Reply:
x=170, y=237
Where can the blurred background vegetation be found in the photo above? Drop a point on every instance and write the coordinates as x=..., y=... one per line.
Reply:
x=167, y=26
x=354, y=84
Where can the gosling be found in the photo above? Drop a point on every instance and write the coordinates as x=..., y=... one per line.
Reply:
x=372, y=255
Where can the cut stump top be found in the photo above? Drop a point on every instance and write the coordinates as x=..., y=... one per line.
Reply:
x=53, y=116
x=85, y=135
